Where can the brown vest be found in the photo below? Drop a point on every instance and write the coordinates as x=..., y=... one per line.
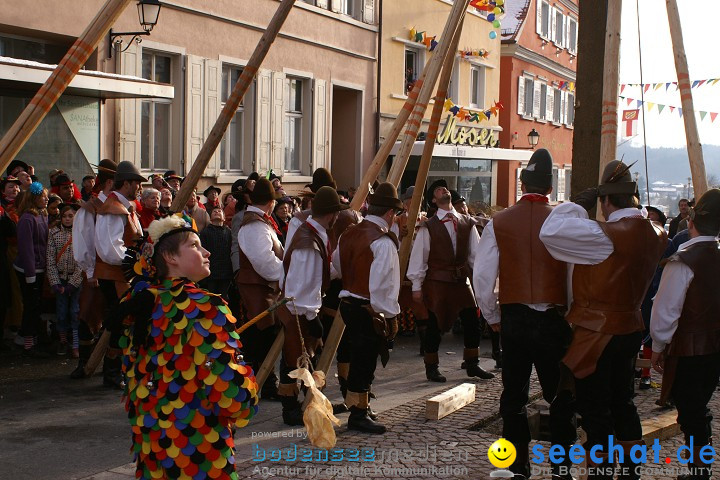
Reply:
x=356, y=256
x=306, y=237
x=607, y=296
x=345, y=219
x=246, y=273
x=92, y=205
x=443, y=264
x=528, y=273
x=698, y=331
x=131, y=237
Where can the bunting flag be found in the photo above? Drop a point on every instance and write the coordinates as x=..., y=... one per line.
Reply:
x=470, y=115
x=479, y=53
x=703, y=114
x=657, y=86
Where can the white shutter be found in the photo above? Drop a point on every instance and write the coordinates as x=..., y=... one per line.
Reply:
x=194, y=108
x=264, y=115
x=128, y=110
x=518, y=186
x=561, y=185
x=521, y=95
x=321, y=3
x=368, y=14
x=563, y=107
x=320, y=124
x=213, y=87
x=538, y=11
x=277, y=124
x=553, y=25
x=537, y=86
x=336, y=5
x=549, y=103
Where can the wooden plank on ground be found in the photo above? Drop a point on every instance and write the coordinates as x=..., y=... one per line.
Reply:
x=662, y=427
x=448, y=402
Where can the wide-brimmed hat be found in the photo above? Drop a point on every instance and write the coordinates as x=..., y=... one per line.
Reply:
x=254, y=176
x=617, y=180
x=661, y=214
x=434, y=186
x=172, y=175
x=263, y=192
x=9, y=179
x=210, y=189
x=62, y=180
x=15, y=164
x=408, y=193
x=455, y=197
x=107, y=167
x=539, y=171
x=385, y=195
x=326, y=201
x=128, y=171
x=706, y=213
x=321, y=177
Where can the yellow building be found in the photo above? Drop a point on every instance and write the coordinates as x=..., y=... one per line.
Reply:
x=465, y=154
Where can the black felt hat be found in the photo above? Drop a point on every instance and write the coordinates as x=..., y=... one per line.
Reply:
x=539, y=172
x=211, y=188
x=455, y=197
x=385, y=195
x=663, y=217
x=263, y=192
x=321, y=177
x=706, y=213
x=14, y=165
x=326, y=201
x=617, y=180
x=128, y=171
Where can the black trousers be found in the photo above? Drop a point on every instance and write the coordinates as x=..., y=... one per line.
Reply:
x=364, y=348
x=540, y=339
x=605, y=398
x=32, y=299
x=695, y=381
x=471, y=330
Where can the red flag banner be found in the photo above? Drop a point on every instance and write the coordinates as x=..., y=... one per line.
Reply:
x=629, y=119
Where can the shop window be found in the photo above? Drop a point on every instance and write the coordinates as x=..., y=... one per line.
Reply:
x=477, y=86
x=237, y=143
x=413, y=67
x=156, y=115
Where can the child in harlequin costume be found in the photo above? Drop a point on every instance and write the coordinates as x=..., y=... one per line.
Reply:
x=187, y=385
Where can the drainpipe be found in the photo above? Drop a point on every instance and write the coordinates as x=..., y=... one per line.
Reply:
x=379, y=76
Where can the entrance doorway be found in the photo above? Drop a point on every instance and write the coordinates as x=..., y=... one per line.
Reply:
x=346, y=136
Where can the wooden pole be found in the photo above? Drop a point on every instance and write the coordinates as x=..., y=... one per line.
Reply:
x=424, y=167
x=609, y=127
x=695, y=153
x=456, y=14
x=78, y=55
x=413, y=126
x=228, y=111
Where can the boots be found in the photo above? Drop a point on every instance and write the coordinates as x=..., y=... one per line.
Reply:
x=521, y=466
x=496, y=348
x=472, y=365
x=112, y=375
x=629, y=470
x=359, y=419
x=561, y=471
x=343, y=371
x=431, y=368
x=421, y=335
x=698, y=470
x=291, y=411
x=84, y=352
x=269, y=389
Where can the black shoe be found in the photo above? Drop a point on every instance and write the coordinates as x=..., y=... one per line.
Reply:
x=292, y=411
x=645, y=383
x=112, y=375
x=360, y=421
x=339, y=408
x=474, y=370
x=372, y=413
x=433, y=374
x=35, y=352
x=79, y=371
x=270, y=391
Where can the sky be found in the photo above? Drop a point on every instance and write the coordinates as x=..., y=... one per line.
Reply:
x=699, y=20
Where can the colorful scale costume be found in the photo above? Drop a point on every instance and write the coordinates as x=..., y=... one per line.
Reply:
x=186, y=383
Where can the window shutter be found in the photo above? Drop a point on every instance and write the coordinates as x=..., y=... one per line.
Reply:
x=194, y=108
x=553, y=25
x=521, y=95
x=571, y=109
x=277, y=124
x=128, y=110
x=563, y=108
x=336, y=5
x=561, y=185
x=549, y=103
x=264, y=114
x=538, y=23
x=213, y=87
x=320, y=126
x=322, y=3
x=368, y=14
x=537, y=86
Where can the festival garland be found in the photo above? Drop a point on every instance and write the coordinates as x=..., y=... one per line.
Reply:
x=466, y=114
x=671, y=109
x=494, y=9
x=657, y=86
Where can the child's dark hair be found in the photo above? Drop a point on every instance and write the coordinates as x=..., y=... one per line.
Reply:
x=169, y=245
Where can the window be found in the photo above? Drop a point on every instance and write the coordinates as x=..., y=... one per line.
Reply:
x=529, y=83
x=557, y=105
x=570, y=109
x=568, y=182
x=477, y=86
x=293, y=128
x=554, y=194
x=559, y=29
x=543, y=102
x=351, y=8
x=237, y=143
x=572, y=35
x=413, y=67
x=34, y=50
x=543, y=18
x=156, y=115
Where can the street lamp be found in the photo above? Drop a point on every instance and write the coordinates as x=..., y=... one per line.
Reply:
x=533, y=139
x=148, y=13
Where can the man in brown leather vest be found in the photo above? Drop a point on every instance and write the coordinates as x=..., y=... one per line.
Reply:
x=614, y=262
x=259, y=274
x=685, y=329
x=367, y=260
x=533, y=295
x=92, y=303
x=307, y=278
x=439, y=268
x=117, y=228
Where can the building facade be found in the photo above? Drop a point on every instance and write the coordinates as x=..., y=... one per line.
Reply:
x=467, y=153
x=537, y=72
x=312, y=103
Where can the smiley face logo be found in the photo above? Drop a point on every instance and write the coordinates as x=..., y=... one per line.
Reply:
x=502, y=453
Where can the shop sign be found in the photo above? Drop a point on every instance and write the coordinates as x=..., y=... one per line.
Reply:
x=453, y=134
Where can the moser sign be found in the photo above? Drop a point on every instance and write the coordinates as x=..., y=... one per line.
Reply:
x=471, y=136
